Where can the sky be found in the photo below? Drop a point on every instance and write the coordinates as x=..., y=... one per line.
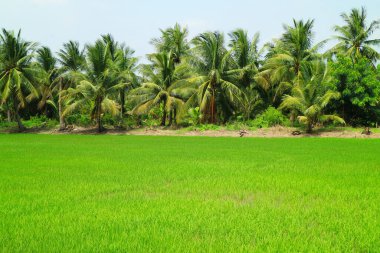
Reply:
x=136, y=22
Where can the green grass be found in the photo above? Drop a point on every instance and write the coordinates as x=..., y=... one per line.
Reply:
x=188, y=194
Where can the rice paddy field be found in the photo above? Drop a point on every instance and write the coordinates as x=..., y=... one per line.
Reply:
x=89, y=193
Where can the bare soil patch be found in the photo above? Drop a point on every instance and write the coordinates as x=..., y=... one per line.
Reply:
x=274, y=132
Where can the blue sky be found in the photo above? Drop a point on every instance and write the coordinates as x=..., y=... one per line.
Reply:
x=53, y=22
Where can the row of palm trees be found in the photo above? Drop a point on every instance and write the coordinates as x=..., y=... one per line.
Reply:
x=290, y=73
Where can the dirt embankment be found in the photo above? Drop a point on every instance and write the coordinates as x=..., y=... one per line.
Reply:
x=274, y=132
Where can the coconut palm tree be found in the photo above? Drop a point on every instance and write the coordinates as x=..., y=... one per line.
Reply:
x=72, y=60
x=16, y=71
x=309, y=98
x=113, y=45
x=288, y=61
x=48, y=74
x=165, y=86
x=216, y=73
x=355, y=36
x=291, y=56
x=124, y=67
x=173, y=40
x=246, y=54
x=125, y=73
x=270, y=90
x=71, y=57
x=96, y=85
x=251, y=101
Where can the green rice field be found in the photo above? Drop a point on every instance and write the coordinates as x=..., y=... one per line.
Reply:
x=103, y=193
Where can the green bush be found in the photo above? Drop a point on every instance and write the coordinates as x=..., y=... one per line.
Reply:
x=7, y=125
x=109, y=120
x=33, y=122
x=271, y=117
x=236, y=125
x=78, y=119
x=40, y=122
x=191, y=119
x=194, y=115
x=128, y=121
x=205, y=127
x=151, y=122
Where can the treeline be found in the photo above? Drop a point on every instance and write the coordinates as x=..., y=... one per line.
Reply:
x=211, y=78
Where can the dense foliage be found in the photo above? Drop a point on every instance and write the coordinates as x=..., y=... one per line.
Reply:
x=358, y=84
x=208, y=79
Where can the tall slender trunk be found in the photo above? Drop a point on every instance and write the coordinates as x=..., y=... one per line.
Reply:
x=139, y=121
x=175, y=116
x=170, y=117
x=292, y=117
x=62, y=124
x=99, y=121
x=163, y=120
x=213, y=111
x=99, y=114
x=122, y=102
x=9, y=115
x=17, y=115
x=309, y=129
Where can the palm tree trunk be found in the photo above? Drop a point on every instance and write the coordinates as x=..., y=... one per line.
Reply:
x=292, y=117
x=213, y=107
x=122, y=102
x=139, y=121
x=213, y=112
x=17, y=115
x=170, y=117
x=62, y=124
x=309, y=129
x=163, y=120
x=99, y=121
x=175, y=116
x=9, y=115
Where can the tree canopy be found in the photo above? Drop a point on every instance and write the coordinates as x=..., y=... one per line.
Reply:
x=211, y=78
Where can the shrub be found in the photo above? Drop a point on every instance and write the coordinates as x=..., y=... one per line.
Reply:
x=109, y=120
x=191, y=118
x=40, y=121
x=204, y=127
x=6, y=124
x=236, y=125
x=270, y=117
x=78, y=119
x=194, y=116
